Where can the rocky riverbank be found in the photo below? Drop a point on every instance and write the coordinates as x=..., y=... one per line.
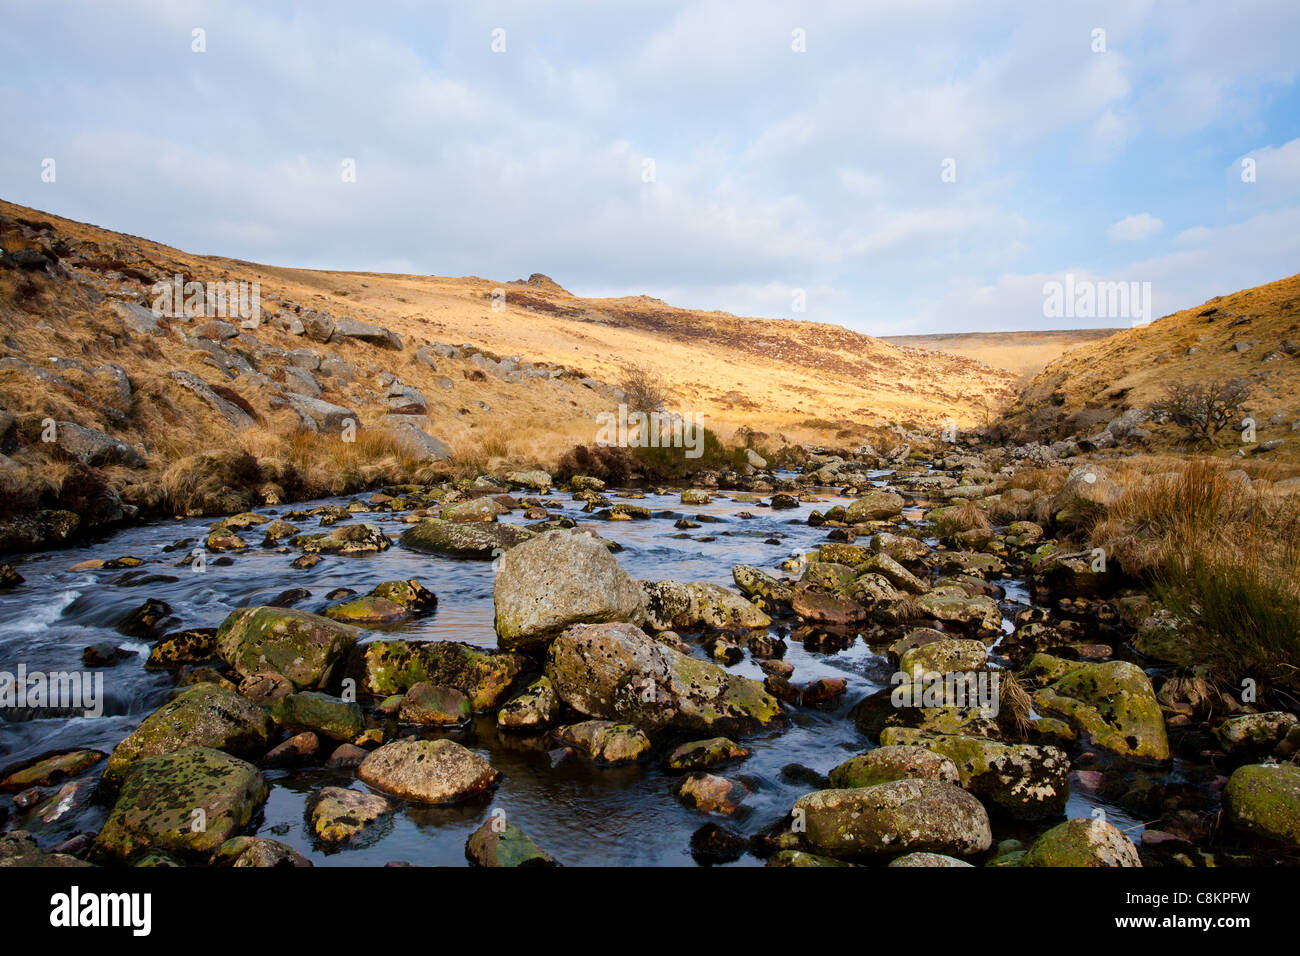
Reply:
x=911, y=661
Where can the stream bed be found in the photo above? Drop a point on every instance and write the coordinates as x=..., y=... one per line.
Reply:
x=580, y=813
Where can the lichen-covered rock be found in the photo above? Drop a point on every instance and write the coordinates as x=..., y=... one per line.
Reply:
x=410, y=594
x=876, y=504
x=927, y=859
x=338, y=815
x=500, y=844
x=303, y=647
x=20, y=848
x=1263, y=800
x=205, y=715
x=473, y=509
x=676, y=605
x=944, y=657
x=900, y=816
x=555, y=580
x=187, y=802
x=485, y=677
x=1083, y=841
x=248, y=851
x=367, y=610
x=1023, y=781
x=761, y=587
x=344, y=539
x=617, y=672
x=893, y=762
x=606, y=742
x=323, y=714
x=194, y=646
x=800, y=858
x=893, y=572
x=1113, y=704
x=1087, y=492
x=701, y=754
x=434, y=704
x=480, y=540
x=427, y=771
x=1254, y=734
x=535, y=709
x=979, y=612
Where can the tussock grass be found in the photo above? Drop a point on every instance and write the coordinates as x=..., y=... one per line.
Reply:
x=1223, y=555
x=968, y=516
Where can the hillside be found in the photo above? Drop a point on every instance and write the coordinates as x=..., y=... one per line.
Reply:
x=1253, y=334
x=465, y=371
x=1023, y=354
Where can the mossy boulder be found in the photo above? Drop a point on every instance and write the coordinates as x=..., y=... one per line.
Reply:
x=339, y=816
x=304, y=647
x=701, y=754
x=535, y=709
x=194, y=646
x=1023, y=781
x=1083, y=841
x=944, y=656
x=205, y=715
x=927, y=860
x=49, y=769
x=1254, y=735
x=978, y=612
x=1087, y=493
x=761, y=587
x=500, y=844
x=478, y=540
x=434, y=704
x=1263, y=800
x=557, y=579
x=367, y=610
x=484, y=676
x=344, y=539
x=676, y=605
x=605, y=742
x=427, y=771
x=1114, y=704
x=617, y=672
x=410, y=594
x=247, y=851
x=897, y=762
x=187, y=802
x=319, y=713
x=900, y=816
x=876, y=504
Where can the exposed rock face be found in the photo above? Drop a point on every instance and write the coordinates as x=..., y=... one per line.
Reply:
x=617, y=672
x=557, y=579
x=235, y=416
x=418, y=443
x=427, y=771
x=1087, y=491
x=92, y=447
x=876, y=505
x=326, y=416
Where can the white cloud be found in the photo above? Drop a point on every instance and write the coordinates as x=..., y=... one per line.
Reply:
x=1135, y=228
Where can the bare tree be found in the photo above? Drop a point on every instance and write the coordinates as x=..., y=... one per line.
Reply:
x=645, y=388
x=1204, y=408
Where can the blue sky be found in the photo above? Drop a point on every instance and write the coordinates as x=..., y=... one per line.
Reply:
x=773, y=170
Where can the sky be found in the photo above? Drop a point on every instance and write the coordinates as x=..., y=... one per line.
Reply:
x=927, y=166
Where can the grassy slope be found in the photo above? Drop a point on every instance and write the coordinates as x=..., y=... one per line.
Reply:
x=1129, y=369
x=1024, y=354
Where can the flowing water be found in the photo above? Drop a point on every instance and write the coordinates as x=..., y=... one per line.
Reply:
x=578, y=812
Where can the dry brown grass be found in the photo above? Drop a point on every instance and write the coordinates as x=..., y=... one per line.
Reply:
x=1225, y=556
